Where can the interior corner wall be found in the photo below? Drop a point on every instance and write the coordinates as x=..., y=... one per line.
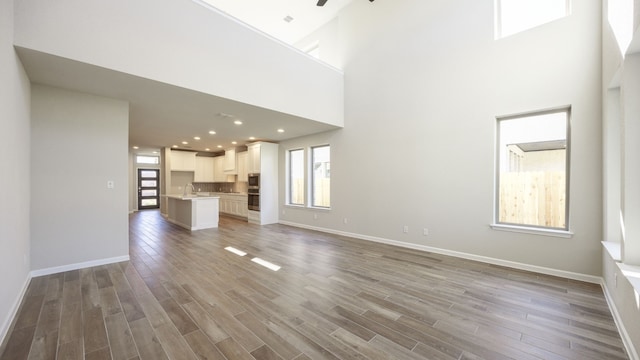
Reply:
x=424, y=82
x=15, y=177
x=79, y=144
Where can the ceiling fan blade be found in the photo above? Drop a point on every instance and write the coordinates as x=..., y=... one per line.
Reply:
x=321, y=2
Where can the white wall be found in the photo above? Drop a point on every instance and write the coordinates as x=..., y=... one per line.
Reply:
x=79, y=142
x=208, y=52
x=621, y=119
x=424, y=81
x=15, y=177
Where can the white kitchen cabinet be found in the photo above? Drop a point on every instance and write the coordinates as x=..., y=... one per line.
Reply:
x=263, y=159
x=218, y=169
x=183, y=160
x=253, y=161
x=233, y=204
x=241, y=159
x=204, y=169
x=230, y=165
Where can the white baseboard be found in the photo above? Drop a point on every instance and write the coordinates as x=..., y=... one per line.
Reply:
x=626, y=338
x=6, y=326
x=82, y=265
x=489, y=260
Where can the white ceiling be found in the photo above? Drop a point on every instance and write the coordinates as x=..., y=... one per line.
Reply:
x=163, y=115
x=268, y=15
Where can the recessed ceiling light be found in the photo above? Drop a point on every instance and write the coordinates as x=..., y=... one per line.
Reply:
x=196, y=138
x=174, y=146
x=155, y=152
x=280, y=130
x=238, y=122
x=135, y=147
x=212, y=132
x=234, y=142
x=184, y=143
x=252, y=137
x=219, y=146
x=207, y=149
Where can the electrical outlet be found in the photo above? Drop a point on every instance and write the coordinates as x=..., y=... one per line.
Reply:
x=315, y=216
x=405, y=229
x=344, y=220
x=110, y=184
x=284, y=211
x=425, y=231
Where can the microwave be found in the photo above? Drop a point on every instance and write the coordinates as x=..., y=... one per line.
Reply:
x=254, y=180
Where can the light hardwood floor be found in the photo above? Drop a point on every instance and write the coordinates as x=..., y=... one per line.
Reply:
x=182, y=296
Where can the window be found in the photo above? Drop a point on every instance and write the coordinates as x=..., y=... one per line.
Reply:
x=141, y=159
x=620, y=17
x=321, y=176
x=514, y=16
x=533, y=170
x=296, y=177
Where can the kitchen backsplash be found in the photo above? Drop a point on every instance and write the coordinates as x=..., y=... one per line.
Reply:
x=221, y=187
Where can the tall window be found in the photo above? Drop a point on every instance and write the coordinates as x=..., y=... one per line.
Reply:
x=514, y=16
x=533, y=170
x=321, y=176
x=296, y=177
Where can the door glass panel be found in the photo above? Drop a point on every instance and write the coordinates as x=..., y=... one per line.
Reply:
x=149, y=202
x=148, y=183
x=147, y=174
x=148, y=192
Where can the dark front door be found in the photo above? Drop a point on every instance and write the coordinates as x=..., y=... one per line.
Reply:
x=148, y=189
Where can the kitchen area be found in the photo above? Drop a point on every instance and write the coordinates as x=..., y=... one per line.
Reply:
x=240, y=182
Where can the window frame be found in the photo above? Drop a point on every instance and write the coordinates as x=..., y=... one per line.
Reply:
x=498, y=20
x=157, y=162
x=289, y=184
x=526, y=228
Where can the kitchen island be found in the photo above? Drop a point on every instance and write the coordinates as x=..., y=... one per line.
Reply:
x=193, y=212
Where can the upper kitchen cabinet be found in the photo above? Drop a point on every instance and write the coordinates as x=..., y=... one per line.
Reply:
x=241, y=159
x=218, y=169
x=204, y=169
x=253, y=160
x=183, y=160
x=230, y=164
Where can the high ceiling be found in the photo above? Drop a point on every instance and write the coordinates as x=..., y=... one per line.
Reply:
x=269, y=16
x=162, y=115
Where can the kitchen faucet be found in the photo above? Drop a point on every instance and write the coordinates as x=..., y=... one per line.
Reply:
x=188, y=185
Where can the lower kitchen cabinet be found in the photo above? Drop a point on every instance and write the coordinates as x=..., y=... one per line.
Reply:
x=233, y=204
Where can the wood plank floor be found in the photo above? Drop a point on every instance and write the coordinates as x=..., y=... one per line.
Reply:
x=182, y=296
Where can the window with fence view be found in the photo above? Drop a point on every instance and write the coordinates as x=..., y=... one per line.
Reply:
x=532, y=184
x=321, y=176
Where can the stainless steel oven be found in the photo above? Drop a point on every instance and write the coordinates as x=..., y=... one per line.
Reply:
x=254, y=181
x=253, y=192
x=253, y=199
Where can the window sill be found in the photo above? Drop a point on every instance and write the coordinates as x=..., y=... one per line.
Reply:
x=532, y=230
x=632, y=273
x=304, y=207
x=614, y=249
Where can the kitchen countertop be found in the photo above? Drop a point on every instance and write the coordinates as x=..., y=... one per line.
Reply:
x=192, y=197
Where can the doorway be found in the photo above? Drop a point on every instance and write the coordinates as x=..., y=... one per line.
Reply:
x=148, y=189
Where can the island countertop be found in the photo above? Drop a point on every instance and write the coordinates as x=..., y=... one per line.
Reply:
x=193, y=212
